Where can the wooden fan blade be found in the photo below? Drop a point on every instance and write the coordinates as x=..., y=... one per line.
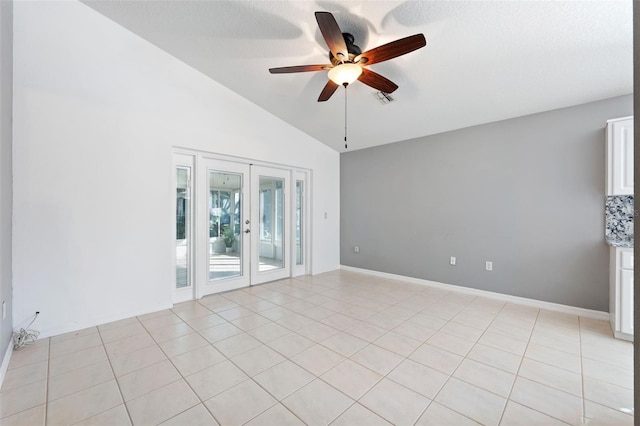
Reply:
x=377, y=81
x=392, y=50
x=332, y=34
x=299, y=68
x=328, y=90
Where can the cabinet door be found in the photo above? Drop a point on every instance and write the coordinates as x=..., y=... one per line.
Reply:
x=621, y=157
x=626, y=301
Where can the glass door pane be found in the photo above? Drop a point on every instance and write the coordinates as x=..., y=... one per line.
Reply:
x=225, y=216
x=271, y=223
x=183, y=226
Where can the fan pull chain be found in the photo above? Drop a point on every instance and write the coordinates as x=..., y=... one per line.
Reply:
x=345, y=114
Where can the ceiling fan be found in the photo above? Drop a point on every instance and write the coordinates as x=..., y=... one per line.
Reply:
x=348, y=62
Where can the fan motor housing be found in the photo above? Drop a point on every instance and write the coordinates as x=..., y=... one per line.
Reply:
x=352, y=49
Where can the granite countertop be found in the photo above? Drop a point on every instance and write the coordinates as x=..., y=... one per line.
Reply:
x=619, y=220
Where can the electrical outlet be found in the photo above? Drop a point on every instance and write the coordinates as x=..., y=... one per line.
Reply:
x=356, y=249
x=452, y=261
x=488, y=266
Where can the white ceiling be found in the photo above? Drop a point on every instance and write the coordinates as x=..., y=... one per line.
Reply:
x=484, y=60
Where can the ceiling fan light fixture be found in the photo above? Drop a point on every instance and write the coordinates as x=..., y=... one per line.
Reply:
x=345, y=73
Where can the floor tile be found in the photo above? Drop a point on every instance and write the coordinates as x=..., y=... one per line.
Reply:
x=147, y=379
x=597, y=414
x=495, y=357
x=276, y=415
x=269, y=332
x=84, y=404
x=547, y=400
x=351, y=379
x=317, y=403
x=32, y=417
x=75, y=344
x=284, y=379
x=26, y=375
x=414, y=330
x=291, y=344
x=317, y=359
x=22, y=398
x=609, y=395
x=439, y=415
x=551, y=376
x=294, y=321
x=554, y=357
x=170, y=331
x=418, y=377
x=196, y=360
x=28, y=355
x=240, y=403
x=359, y=415
x=220, y=332
x=117, y=333
x=476, y=403
x=128, y=363
x=195, y=416
x=317, y=332
x=608, y=373
x=395, y=403
x=485, y=377
x=115, y=416
x=92, y=330
x=207, y=321
x=79, y=379
x=250, y=322
x=183, y=344
x=257, y=360
x=377, y=359
x=462, y=331
x=439, y=359
x=190, y=310
x=215, y=379
x=507, y=344
x=344, y=344
x=161, y=321
x=235, y=345
x=516, y=414
x=162, y=404
x=402, y=345
x=450, y=343
x=129, y=345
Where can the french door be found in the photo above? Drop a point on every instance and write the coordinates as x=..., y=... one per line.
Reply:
x=234, y=225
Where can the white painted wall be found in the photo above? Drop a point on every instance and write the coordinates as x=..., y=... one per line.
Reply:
x=6, y=196
x=97, y=112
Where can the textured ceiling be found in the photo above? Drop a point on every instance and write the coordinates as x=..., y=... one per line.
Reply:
x=484, y=60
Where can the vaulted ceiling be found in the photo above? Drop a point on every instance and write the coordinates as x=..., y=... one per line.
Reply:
x=484, y=60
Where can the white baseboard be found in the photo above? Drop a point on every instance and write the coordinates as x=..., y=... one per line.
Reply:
x=5, y=362
x=55, y=331
x=587, y=313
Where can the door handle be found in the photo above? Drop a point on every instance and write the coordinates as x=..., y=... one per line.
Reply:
x=246, y=231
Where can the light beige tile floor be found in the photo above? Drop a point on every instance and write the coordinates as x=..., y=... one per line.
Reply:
x=339, y=348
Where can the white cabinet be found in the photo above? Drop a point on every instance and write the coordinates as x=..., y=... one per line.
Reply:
x=621, y=292
x=620, y=156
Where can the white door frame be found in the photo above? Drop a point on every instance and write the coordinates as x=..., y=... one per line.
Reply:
x=257, y=276
x=302, y=269
x=204, y=285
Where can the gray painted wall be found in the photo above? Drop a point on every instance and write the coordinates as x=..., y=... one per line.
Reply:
x=526, y=193
x=6, y=191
